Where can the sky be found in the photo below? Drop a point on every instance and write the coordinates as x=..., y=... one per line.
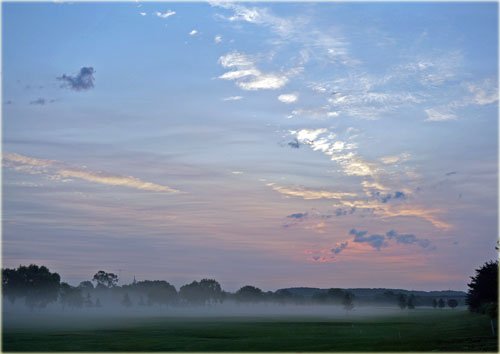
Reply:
x=271, y=144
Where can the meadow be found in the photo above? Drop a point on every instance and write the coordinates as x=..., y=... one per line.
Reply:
x=404, y=331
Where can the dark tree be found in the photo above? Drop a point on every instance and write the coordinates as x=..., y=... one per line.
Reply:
x=157, y=291
x=402, y=301
x=105, y=280
x=434, y=303
x=347, y=301
x=441, y=303
x=249, y=293
x=411, y=302
x=36, y=284
x=86, y=285
x=452, y=303
x=70, y=296
x=201, y=293
x=483, y=289
x=126, y=300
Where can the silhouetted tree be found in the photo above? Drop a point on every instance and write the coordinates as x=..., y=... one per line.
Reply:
x=483, y=289
x=86, y=285
x=452, y=303
x=402, y=301
x=348, y=302
x=411, y=302
x=441, y=303
x=249, y=293
x=70, y=296
x=106, y=280
x=36, y=284
x=157, y=291
x=434, y=303
x=202, y=292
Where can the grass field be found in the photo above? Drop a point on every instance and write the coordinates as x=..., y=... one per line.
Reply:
x=418, y=330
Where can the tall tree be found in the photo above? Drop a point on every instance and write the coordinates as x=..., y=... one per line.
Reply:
x=402, y=301
x=483, y=289
x=104, y=279
x=249, y=293
x=348, y=302
x=35, y=283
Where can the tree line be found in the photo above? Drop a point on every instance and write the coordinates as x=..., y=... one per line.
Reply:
x=40, y=287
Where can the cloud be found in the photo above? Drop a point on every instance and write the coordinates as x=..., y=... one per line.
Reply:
x=308, y=194
x=84, y=80
x=246, y=74
x=298, y=216
x=288, y=98
x=451, y=173
x=485, y=92
x=58, y=170
x=376, y=241
x=232, y=98
x=408, y=239
x=430, y=215
x=395, y=159
x=339, y=151
x=339, y=247
x=165, y=14
x=294, y=144
x=218, y=39
x=193, y=33
x=433, y=115
x=384, y=198
x=142, y=13
x=39, y=101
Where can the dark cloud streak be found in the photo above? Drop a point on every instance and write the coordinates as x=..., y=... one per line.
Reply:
x=83, y=81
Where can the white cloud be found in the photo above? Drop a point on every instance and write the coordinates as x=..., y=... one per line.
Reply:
x=232, y=98
x=193, y=33
x=246, y=74
x=338, y=151
x=434, y=115
x=142, y=13
x=57, y=170
x=309, y=194
x=218, y=39
x=394, y=159
x=485, y=92
x=165, y=14
x=288, y=97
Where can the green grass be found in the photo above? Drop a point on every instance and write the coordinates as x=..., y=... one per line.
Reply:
x=417, y=331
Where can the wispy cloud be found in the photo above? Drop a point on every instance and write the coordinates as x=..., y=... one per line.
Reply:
x=218, y=39
x=165, y=14
x=247, y=76
x=395, y=159
x=435, y=115
x=309, y=194
x=57, y=170
x=84, y=80
x=232, y=98
x=485, y=92
x=339, y=151
x=193, y=33
x=288, y=97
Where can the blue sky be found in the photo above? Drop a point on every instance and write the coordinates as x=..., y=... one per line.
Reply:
x=275, y=144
